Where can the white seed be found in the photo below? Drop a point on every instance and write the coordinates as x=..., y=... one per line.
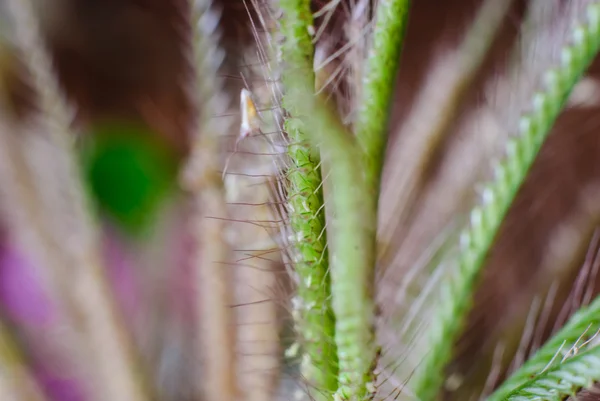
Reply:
x=292, y=350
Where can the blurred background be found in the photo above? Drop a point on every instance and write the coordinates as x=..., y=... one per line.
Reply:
x=125, y=67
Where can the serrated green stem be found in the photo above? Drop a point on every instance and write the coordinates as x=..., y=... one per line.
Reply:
x=315, y=321
x=381, y=68
x=352, y=255
x=582, y=326
x=477, y=238
x=562, y=380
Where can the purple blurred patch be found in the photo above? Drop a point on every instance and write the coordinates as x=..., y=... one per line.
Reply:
x=22, y=296
x=121, y=271
x=26, y=304
x=58, y=388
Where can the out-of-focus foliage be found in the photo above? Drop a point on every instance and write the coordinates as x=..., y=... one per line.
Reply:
x=131, y=173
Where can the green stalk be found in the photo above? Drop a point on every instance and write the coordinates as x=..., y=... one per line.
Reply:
x=315, y=321
x=477, y=238
x=377, y=93
x=352, y=255
x=562, y=380
x=581, y=327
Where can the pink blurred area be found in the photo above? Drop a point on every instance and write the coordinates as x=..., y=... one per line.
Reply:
x=27, y=306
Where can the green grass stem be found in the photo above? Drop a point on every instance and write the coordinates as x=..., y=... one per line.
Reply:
x=315, y=321
x=583, y=325
x=477, y=238
x=352, y=256
x=562, y=380
x=378, y=86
